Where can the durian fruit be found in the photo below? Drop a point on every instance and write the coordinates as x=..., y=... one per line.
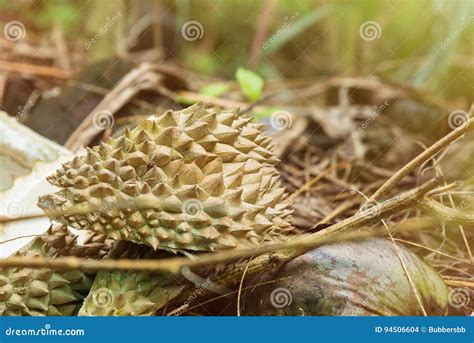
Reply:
x=65, y=243
x=120, y=293
x=38, y=292
x=197, y=179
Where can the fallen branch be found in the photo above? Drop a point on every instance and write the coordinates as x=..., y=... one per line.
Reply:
x=36, y=70
x=342, y=230
x=421, y=158
x=447, y=214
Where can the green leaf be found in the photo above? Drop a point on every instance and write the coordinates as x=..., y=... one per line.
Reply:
x=215, y=89
x=289, y=30
x=265, y=112
x=183, y=100
x=251, y=84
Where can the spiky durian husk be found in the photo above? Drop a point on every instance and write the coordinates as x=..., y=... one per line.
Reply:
x=197, y=179
x=38, y=292
x=120, y=293
x=60, y=241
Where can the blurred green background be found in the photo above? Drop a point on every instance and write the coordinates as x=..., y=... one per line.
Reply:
x=424, y=43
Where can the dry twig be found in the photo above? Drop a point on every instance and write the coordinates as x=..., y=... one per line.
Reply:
x=345, y=229
x=421, y=158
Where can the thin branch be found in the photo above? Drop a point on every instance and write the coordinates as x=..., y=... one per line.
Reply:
x=35, y=70
x=261, y=32
x=405, y=269
x=433, y=250
x=447, y=214
x=420, y=159
x=288, y=250
x=457, y=283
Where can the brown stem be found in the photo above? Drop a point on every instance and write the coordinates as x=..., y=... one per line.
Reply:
x=420, y=159
x=287, y=250
x=261, y=32
x=447, y=214
x=36, y=70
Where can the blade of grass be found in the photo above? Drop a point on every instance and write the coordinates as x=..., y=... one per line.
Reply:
x=277, y=40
